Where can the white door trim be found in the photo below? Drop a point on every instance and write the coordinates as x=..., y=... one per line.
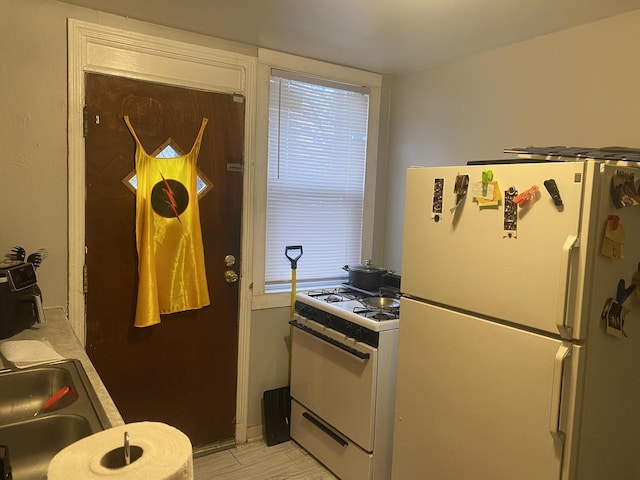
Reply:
x=107, y=50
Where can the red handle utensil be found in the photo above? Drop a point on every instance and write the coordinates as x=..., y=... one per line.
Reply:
x=53, y=399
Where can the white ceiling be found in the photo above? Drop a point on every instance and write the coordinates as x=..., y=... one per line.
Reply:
x=384, y=36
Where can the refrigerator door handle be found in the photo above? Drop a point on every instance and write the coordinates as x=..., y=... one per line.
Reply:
x=563, y=289
x=556, y=393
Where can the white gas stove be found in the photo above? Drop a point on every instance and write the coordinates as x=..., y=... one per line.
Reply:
x=343, y=381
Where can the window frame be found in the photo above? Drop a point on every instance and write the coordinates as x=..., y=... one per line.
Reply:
x=268, y=60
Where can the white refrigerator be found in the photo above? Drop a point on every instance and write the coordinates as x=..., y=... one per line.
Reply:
x=519, y=340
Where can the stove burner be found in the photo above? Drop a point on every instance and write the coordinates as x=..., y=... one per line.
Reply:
x=383, y=316
x=334, y=295
x=376, y=314
x=332, y=298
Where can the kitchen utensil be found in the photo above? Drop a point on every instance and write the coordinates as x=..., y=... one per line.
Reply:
x=37, y=257
x=380, y=304
x=18, y=253
x=366, y=277
x=53, y=399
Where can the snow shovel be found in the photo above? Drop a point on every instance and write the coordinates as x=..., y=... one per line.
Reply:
x=277, y=402
x=294, y=267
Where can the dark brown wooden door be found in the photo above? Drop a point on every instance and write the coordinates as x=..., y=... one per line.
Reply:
x=182, y=371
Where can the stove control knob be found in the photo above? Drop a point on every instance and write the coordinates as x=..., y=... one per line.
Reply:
x=348, y=329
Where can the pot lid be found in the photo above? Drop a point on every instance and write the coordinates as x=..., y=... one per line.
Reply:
x=367, y=267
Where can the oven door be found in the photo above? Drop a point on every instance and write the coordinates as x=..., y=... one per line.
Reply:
x=334, y=377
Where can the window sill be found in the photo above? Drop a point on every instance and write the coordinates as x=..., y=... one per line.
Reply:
x=282, y=298
x=271, y=300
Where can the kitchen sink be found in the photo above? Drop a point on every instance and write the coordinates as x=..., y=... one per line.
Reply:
x=32, y=441
x=23, y=392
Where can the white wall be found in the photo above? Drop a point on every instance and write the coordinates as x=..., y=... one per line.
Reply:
x=269, y=359
x=579, y=87
x=33, y=150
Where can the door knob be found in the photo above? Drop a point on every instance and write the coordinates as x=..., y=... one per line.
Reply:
x=230, y=276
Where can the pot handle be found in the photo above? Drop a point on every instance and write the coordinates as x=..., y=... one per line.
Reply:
x=346, y=268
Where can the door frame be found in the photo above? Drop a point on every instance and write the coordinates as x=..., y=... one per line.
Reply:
x=107, y=50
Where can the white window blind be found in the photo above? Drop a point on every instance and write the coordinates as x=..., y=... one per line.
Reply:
x=316, y=177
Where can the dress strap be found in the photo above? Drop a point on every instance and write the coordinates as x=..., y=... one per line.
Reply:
x=198, y=139
x=126, y=120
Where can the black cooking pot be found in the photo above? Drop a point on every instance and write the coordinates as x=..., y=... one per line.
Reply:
x=366, y=277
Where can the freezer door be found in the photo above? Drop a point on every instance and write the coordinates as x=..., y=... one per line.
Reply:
x=465, y=257
x=476, y=400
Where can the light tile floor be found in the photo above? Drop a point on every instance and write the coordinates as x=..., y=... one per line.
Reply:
x=257, y=461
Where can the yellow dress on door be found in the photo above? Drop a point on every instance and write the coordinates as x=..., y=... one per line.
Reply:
x=171, y=269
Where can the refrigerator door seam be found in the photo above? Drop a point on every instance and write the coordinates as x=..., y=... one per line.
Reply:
x=490, y=319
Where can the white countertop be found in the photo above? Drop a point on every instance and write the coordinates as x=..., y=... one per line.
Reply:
x=58, y=333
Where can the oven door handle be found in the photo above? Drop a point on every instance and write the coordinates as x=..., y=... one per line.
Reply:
x=335, y=343
x=334, y=436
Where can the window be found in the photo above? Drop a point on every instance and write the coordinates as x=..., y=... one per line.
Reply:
x=168, y=150
x=301, y=192
x=317, y=155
